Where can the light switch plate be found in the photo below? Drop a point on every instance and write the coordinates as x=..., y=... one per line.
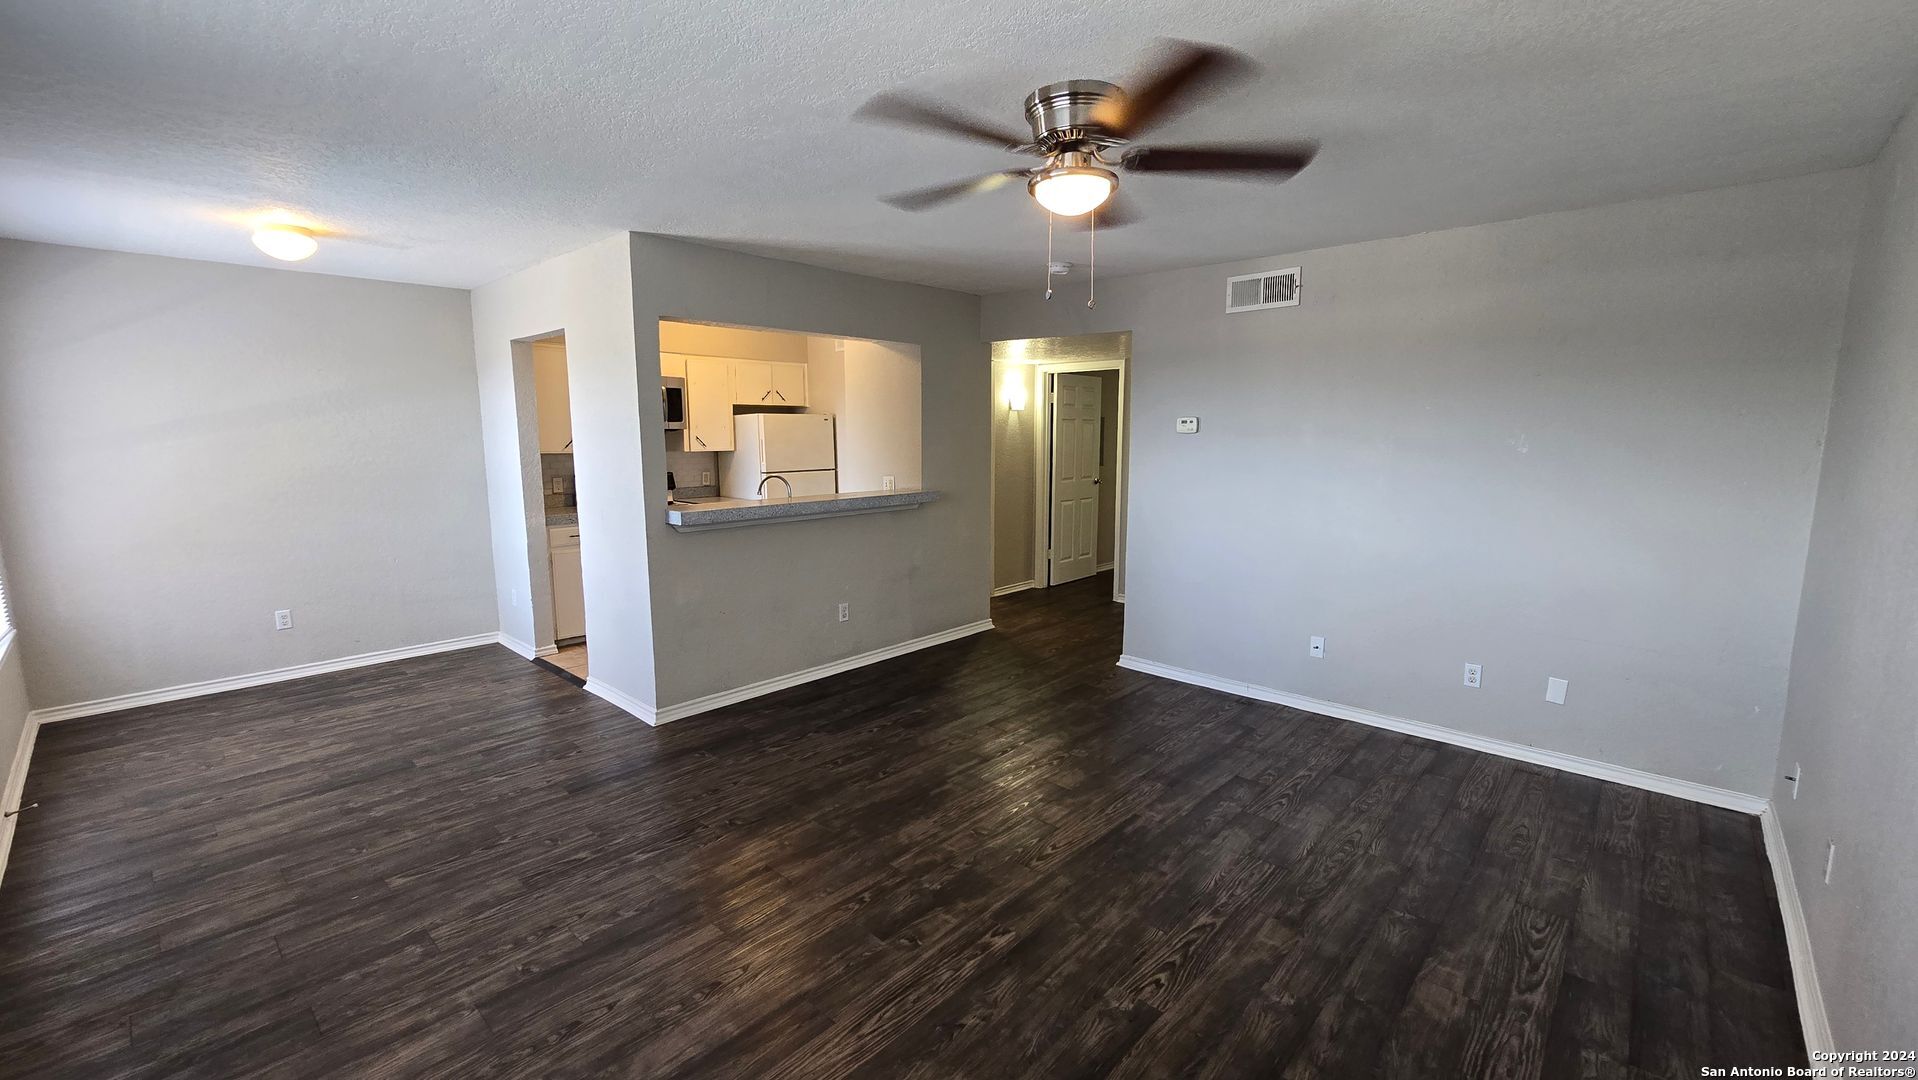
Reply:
x=1188, y=425
x=1555, y=691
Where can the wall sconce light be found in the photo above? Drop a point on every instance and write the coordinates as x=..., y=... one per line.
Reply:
x=1013, y=390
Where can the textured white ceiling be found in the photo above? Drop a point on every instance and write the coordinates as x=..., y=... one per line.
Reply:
x=453, y=141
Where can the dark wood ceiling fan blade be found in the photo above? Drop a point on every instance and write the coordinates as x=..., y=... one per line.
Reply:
x=1278, y=161
x=900, y=110
x=1186, y=68
x=927, y=198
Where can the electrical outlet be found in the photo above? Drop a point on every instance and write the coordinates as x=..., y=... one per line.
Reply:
x=283, y=620
x=888, y=483
x=1188, y=425
x=705, y=478
x=1831, y=857
x=845, y=612
x=1318, y=647
x=1471, y=675
x=1555, y=691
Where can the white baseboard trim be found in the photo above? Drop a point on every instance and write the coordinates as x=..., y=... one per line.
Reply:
x=766, y=686
x=623, y=700
x=258, y=678
x=1804, y=974
x=1600, y=770
x=1100, y=568
x=525, y=650
x=16, y=786
x=1008, y=590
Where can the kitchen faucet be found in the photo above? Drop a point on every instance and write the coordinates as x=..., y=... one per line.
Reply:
x=781, y=479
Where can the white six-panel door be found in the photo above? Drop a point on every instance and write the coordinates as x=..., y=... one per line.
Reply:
x=1075, y=477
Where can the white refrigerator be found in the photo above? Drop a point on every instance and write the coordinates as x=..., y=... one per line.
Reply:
x=796, y=446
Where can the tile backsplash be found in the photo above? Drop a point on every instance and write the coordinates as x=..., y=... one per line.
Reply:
x=556, y=472
x=687, y=467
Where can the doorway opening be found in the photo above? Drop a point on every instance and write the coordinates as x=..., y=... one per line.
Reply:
x=1059, y=461
x=558, y=590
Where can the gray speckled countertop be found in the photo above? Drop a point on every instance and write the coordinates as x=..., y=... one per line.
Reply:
x=568, y=516
x=729, y=513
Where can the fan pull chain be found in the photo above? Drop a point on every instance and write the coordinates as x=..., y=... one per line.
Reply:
x=1048, y=254
x=1092, y=260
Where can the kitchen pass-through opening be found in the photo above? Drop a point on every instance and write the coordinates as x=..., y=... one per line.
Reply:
x=759, y=414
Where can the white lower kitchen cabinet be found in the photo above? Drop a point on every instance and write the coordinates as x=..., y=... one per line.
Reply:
x=569, y=583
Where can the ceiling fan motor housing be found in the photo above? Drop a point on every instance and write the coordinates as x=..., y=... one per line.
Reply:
x=1061, y=113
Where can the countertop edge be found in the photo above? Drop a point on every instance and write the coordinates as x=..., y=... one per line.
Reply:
x=697, y=519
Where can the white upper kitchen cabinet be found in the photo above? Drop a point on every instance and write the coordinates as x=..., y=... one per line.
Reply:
x=709, y=403
x=752, y=382
x=788, y=384
x=764, y=382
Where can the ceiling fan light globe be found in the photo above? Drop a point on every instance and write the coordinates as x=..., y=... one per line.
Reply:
x=1072, y=191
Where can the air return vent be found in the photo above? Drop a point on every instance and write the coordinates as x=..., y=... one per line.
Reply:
x=1265, y=289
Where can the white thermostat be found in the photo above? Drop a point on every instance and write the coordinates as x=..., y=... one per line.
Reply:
x=1188, y=425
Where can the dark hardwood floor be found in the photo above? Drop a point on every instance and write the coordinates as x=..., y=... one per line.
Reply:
x=1002, y=856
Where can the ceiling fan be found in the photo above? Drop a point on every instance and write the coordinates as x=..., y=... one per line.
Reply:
x=1083, y=128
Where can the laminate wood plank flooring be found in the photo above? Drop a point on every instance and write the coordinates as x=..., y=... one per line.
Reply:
x=1003, y=856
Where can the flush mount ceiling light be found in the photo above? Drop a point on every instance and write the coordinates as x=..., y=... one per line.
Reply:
x=288, y=243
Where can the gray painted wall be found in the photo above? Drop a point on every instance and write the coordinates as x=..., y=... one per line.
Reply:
x=187, y=446
x=13, y=725
x=737, y=606
x=1854, y=674
x=1582, y=444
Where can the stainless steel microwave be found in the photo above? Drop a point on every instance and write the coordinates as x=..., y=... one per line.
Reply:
x=672, y=400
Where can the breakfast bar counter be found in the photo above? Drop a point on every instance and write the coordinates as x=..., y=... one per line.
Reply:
x=700, y=515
